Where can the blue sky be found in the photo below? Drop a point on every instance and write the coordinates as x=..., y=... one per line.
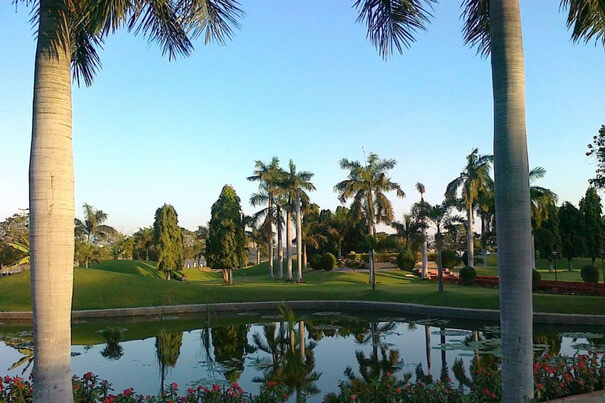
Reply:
x=299, y=81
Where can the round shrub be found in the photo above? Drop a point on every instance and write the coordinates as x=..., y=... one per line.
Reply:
x=315, y=261
x=590, y=274
x=467, y=275
x=449, y=259
x=328, y=261
x=535, y=280
x=406, y=260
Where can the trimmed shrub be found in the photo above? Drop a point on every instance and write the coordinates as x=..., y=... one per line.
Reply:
x=315, y=261
x=328, y=261
x=535, y=280
x=406, y=260
x=590, y=274
x=449, y=259
x=467, y=275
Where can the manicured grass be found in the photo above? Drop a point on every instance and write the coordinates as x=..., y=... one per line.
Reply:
x=121, y=286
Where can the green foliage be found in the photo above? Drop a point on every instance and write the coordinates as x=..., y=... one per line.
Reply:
x=328, y=261
x=168, y=239
x=225, y=248
x=535, y=279
x=478, y=259
x=590, y=208
x=597, y=150
x=406, y=260
x=467, y=275
x=315, y=261
x=570, y=229
x=449, y=259
x=590, y=274
x=168, y=347
x=229, y=348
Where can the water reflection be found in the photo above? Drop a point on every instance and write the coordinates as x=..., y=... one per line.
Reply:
x=310, y=353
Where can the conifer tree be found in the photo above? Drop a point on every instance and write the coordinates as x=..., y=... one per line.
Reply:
x=168, y=240
x=225, y=248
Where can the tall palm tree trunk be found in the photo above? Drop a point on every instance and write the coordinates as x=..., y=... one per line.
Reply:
x=483, y=241
x=512, y=200
x=425, y=260
x=51, y=203
x=304, y=255
x=439, y=261
x=427, y=343
x=288, y=244
x=270, y=239
x=280, y=248
x=301, y=331
x=299, y=263
x=469, y=237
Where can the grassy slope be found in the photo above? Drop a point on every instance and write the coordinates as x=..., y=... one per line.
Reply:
x=128, y=284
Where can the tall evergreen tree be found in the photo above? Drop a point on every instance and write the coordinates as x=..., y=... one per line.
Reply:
x=590, y=208
x=570, y=229
x=597, y=150
x=168, y=239
x=225, y=248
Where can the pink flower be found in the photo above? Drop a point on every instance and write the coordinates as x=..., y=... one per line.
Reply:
x=88, y=375
x=128, y=392
x=216, y=388
x=353, y=397
x=174, y=386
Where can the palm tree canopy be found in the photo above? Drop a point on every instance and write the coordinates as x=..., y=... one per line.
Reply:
x=473, y=179
x=83, y=26
x=367, y=185
x=292, y=184
x=392, y=24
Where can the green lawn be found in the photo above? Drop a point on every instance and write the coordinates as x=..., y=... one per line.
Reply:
x=114, y=284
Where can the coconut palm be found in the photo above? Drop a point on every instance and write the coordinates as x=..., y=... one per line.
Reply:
x=294, y=185
x=494, y=27
x=486, y=210
x=144, y=240
x=338, y=226
x=473, y=180
x=92, y=228
x=437, y=215
x=367, y=184
x=69, y=34
x=541, y=200
x=408, y=229
x=268, y=176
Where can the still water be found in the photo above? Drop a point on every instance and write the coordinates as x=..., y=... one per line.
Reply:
x=311, y=352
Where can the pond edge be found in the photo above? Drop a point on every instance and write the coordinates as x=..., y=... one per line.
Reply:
x=430, y=311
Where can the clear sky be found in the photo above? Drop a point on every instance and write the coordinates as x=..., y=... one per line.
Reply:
x=298, y=81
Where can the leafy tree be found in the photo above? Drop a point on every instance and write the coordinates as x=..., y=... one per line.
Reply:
x=494, y=28
x=14, y=231
x=230, y=345
x=590, y=208
x=68, y=36
x=473, y=180
x=168, y=240
x=541, y=200
x=225, y=248
x=597, y=150
x=144, y=242
x=570, y=229
x=168, y=349
x=339, y=226
x=367, y=184
x=410, y=230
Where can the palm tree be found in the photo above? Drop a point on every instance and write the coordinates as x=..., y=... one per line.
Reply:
x=144, y=240
x=267, y=175
x=541, y=199
x=69, y=34
x=473, y=180
x=437, y=215
x=409, y=229
x=295, y=185
x=366, y=185
x=494, y=27
x=22, y=246
x=338, y=226
x=421, y=189
x=486, y=211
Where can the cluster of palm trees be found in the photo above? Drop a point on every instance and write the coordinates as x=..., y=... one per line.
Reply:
x=282, y=192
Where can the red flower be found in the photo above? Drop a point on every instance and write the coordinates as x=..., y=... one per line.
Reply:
x=235, y=385
x=7, y=379
x=216, y=388
x=540, y=386
x=353, y=397
x=190, y=390
x=88, y=375
x=174, y=386
x=486, y=392
x=285, y=397
x=270, y=384
x=199, y=387
x=388, y=374
x=76, y=386
x=128, y=392
x=493, y=395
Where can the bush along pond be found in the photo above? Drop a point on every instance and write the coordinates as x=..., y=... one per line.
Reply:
x=311, y=356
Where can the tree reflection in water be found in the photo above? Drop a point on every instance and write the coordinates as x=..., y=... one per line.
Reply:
x=230, y=347
x=113, y=350
x=168, y=348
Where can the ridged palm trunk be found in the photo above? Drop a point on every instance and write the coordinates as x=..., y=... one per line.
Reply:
x=51, y=203
x=425, y=260
x=270, y=240
x=483, y=241
x=439, y=262
x=299, y=258
x=512, y=200
x=469, y=237
x=280, y=247
x=288, y=243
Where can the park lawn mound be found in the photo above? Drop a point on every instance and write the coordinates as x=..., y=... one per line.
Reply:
x=136, y=267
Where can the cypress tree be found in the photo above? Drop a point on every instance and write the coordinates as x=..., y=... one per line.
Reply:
x=225, y=248
x=590, y=207
x=168, y=239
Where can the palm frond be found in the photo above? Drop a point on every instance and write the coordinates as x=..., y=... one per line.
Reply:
x=476, y=25
x=586, y=19
x=391, y=24
x=214, y=19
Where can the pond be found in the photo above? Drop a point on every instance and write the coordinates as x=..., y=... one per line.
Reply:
x=252, y=348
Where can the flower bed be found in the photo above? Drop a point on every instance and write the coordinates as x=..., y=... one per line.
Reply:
x=551, y=286
x=554, y=377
